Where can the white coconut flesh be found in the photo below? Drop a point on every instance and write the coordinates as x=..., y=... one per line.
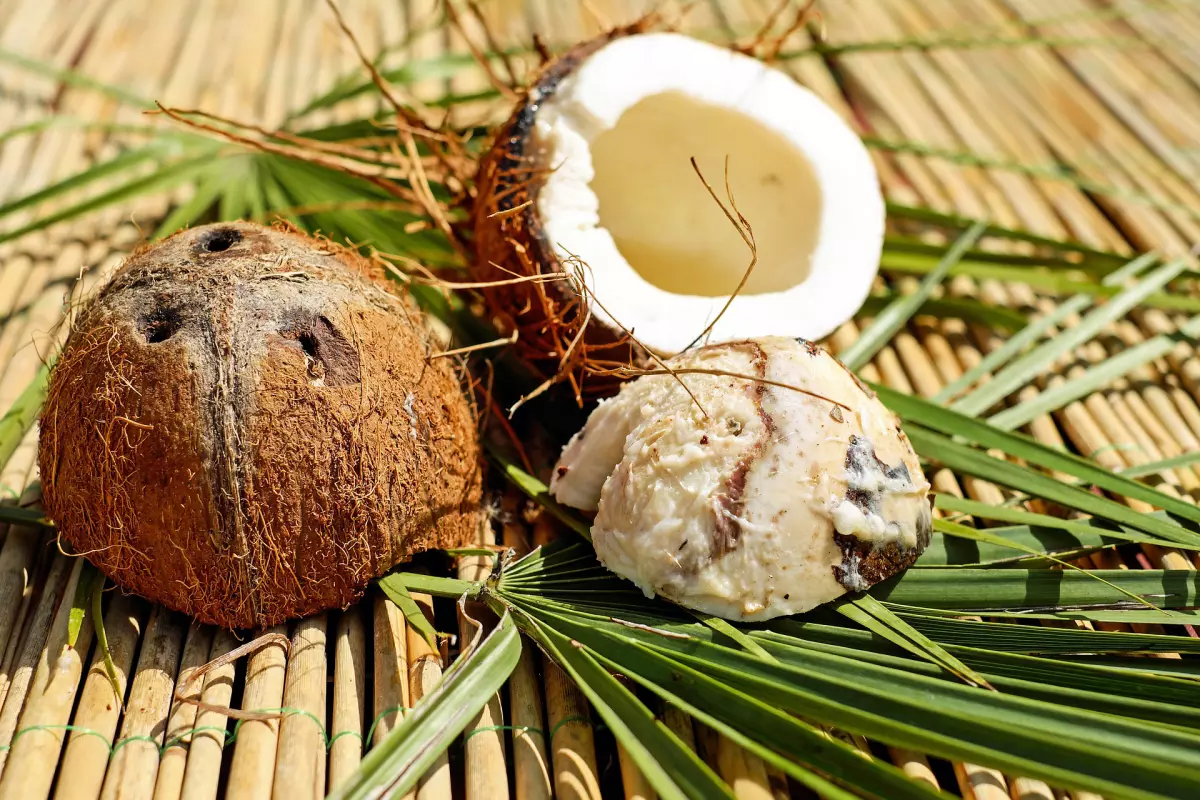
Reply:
x=752, y=500
x=622, y=196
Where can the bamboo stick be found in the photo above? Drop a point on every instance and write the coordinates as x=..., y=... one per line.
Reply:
x=572, y=744
x=32, y=643
x=680, y=724
x=745, y=773
x=914, y=764
x=253, y=767
x=424, y=674
x=300, y=763
x=183, y=715
x=569, y=735
x=86, y=756
x=980, y=783
x=134, y=765
x=35, y=754
x=531, y=767
x=530, y=764
x=37, y=744
x=1030, y=789
x=349, y=698
x=484, y=764
x=201, y=777
x=632, y=780
x=17, y=558
x=391, y=691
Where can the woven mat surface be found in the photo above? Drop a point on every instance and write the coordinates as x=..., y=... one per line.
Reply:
x=1071, y=118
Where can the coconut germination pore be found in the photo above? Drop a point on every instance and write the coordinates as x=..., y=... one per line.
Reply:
x=761, y=479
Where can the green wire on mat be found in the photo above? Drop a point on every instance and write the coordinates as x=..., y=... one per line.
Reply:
x=231, y=736
x=1117, y=446
x=379, y=717
x=517, y=728
x=72, y=728
x=531, y=729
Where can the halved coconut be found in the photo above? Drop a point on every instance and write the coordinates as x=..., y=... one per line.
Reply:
x=592, y=176
x=774, y=482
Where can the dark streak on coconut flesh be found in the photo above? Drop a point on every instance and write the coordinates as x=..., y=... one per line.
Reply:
x=729, y=504
x=227, y=430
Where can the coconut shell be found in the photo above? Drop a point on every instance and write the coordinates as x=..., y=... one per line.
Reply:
x=509, y=240
x=245, y=426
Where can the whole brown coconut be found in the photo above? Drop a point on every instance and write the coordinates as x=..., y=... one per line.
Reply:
x=246, y=427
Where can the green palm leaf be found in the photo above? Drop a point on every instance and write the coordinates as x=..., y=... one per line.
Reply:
x=910, y=704
x=396, y=764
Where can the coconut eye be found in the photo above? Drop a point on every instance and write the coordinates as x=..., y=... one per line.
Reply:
x=331, y=356
x=160, y=324
x=219, y=240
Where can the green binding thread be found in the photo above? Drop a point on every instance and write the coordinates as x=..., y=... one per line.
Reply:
x=287, y=712
x=1118, y=446
x=179, y=740
x=379, y=718
x=516, y=728
x=565, y=720
x=72, y=728
x=117, y=745
x=188, y=736
x=340, y=734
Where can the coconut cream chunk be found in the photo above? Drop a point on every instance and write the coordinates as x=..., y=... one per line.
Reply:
x=752, y=500
x=617, y=134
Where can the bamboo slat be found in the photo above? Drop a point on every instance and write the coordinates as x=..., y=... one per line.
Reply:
x=424, y=674
x=391, y=669
x=33, y=641
x=201, y=778
x=349, y=698
x=133, y=767
x=530, y=764
x=250, y=774
x=484, y=762
x=300, y=762
x=86, y=756
x=569, y=733
x=36, y=748
x=183, y=714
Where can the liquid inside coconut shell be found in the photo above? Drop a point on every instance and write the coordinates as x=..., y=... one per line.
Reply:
x=246, y=427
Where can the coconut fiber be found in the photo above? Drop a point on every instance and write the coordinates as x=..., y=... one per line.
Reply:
x=246, y=426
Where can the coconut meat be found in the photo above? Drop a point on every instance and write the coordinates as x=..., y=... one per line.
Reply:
x=752, y=500
x=623, y=198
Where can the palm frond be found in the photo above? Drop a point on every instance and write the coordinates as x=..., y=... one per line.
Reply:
x=897, y=315
x=1060, y=730
x=395, y=765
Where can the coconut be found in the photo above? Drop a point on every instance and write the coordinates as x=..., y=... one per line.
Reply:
x=592, y=178
x=245, y=426
x=762, y=478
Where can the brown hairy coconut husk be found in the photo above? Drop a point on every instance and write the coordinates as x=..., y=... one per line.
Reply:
x=645, y=178
x=509, y=241
x=245, y=426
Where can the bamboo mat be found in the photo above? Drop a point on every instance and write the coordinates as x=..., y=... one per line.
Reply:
x=1092, y=133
